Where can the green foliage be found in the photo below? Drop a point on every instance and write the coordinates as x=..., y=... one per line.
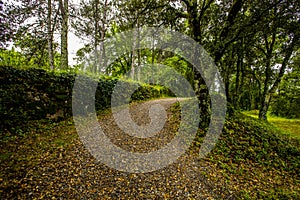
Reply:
x=37, y=94
x=33, y=94
x=28, y=57
x=34, y=49
x=286, y=102
x=11, y=58
x=254, y=157
x=181, y=66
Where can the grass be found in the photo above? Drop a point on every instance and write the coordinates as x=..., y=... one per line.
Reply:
x=287, y=126
x=290, y=126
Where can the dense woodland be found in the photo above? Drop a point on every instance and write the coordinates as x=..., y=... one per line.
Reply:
x=255, y=44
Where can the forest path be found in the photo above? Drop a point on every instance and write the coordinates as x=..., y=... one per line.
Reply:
x=72, y=172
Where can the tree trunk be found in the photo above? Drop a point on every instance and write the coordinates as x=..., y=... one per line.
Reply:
x=264, y=107
x=133, y=56
x=64, y=33
x=96, y=40
x=237, y=83
x=265, y=95
x=264, y=103
x=269, y=90
x=241, y=90
x=202, y=92
x=102, y=61
x=138, y=52
x=50, y=36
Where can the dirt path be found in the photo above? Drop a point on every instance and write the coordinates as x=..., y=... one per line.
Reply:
x=74, y=174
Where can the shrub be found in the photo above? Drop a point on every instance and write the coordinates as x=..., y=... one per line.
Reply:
x=37, y=94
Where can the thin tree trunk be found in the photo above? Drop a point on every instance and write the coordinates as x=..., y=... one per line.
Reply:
x=227, y=83
x=64, y=33
x=264, y=104
x=264, y=107
x=152, y=62
x=102, y=38
x=241, y=91
x=138, y=51
x=133, y=57
x=268, y=91
x=239, y=76
x=237, y=83
x=96, y=30
x=265, y=95
x=50, y=36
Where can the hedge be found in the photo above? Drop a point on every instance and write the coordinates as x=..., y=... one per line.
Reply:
x=35, y=94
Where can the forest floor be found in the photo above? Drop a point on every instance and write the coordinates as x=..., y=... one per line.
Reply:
x=250, y=161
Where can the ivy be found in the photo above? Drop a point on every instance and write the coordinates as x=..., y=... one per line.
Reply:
x=35, y=94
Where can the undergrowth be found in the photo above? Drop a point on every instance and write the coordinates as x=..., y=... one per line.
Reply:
x=256, y=160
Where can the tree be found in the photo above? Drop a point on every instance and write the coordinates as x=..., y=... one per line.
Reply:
x=280, y=38
x=50, y=31
x=29, y=18
x=64, y=12
x=286, y=100
x=6, y=28
x=93, y=20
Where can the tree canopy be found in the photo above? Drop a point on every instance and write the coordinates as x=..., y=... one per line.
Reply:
x=255, y=44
